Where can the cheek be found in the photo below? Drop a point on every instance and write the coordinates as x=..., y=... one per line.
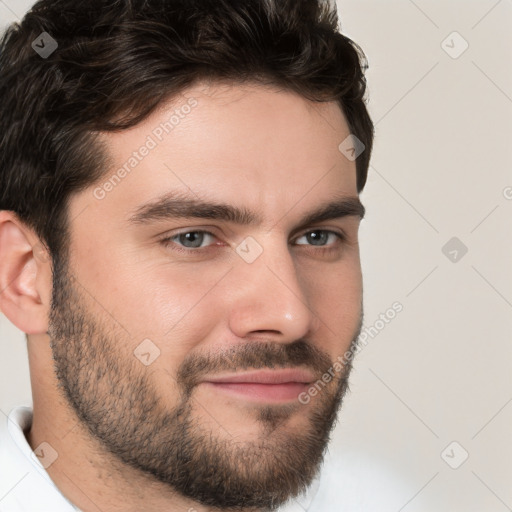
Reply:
x=335, y=294
x=338, y=281
x=173, y=305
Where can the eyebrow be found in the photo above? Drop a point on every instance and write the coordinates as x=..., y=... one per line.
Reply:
x=171, y=206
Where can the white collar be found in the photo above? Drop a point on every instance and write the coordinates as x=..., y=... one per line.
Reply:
x=25, y=486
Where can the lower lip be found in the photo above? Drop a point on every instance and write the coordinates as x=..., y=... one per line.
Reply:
x=262, y=392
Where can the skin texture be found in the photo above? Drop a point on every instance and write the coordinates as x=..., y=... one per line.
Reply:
x=131, y=436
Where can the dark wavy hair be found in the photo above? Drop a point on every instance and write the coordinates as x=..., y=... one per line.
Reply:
x=118, y=60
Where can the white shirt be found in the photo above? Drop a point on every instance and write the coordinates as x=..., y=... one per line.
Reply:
x=25, y=486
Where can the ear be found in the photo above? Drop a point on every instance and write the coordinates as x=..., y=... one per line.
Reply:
x=25, y=276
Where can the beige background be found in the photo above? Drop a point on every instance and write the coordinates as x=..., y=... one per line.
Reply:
x=441, y=370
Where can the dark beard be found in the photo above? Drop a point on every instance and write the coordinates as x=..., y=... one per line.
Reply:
x=115, y=399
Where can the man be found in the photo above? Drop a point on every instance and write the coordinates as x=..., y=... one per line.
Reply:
x=179, y=241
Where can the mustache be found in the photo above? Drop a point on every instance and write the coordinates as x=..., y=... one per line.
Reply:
x=252, y=355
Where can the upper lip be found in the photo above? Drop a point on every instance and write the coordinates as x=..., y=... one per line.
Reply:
x=266, y=377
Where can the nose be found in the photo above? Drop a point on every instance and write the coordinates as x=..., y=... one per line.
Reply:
x=271, y=299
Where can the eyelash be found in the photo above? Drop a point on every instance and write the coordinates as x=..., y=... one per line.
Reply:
x=169, y=241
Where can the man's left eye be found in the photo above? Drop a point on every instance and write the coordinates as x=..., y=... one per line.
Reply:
x=320, y=237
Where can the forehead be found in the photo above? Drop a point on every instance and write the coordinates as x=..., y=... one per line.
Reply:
x=249, y=144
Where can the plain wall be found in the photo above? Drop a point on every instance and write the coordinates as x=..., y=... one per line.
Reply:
x=440, y=371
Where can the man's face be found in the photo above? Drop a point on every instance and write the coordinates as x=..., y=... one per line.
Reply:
x=160, y=305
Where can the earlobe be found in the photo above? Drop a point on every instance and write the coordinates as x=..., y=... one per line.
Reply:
x=24, y=275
